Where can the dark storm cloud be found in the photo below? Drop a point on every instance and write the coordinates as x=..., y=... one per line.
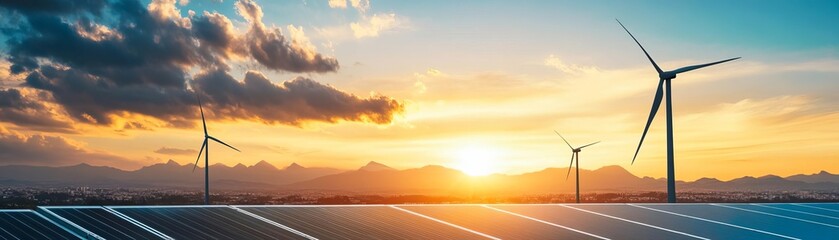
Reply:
x=17, y=148
x=291, y=102
x=91, y=99
x=30, y=111
x=99, y=59
x=270, y=48
x=53, y=6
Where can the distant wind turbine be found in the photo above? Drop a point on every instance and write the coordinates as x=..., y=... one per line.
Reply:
x=575, y=152
x=205, y=147
x=664, y=79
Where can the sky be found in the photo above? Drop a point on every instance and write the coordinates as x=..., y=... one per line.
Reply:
x=475, y=85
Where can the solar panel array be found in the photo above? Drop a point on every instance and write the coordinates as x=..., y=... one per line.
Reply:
x=441, y=221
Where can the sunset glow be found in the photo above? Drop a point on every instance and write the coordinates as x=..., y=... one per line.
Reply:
x=477, y=160
x=417, y=83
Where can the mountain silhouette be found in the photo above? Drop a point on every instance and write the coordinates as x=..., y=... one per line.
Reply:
x=169, y=174
x=377, y=178
x=373, y=166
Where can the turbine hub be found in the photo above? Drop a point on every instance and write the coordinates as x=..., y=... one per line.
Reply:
x=577, y=150
x=667, y=75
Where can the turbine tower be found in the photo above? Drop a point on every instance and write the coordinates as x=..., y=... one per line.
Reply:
x=575, y=152
x=205, y=147
x=664, y=79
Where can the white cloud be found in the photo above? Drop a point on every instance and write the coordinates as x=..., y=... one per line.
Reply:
x=338, y=4
x=361, y=5
x=372, y=26
x=555, y=62
x=369, y=25
x=301, y=42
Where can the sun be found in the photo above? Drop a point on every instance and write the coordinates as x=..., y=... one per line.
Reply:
x=475, y=160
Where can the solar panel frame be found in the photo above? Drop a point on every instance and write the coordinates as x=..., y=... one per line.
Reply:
x=223, y=222
x=27, y=217
x=101, y=222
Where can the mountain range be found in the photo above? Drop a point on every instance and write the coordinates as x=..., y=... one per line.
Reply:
x=377, y=178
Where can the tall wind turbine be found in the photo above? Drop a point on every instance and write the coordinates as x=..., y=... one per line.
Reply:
x=205, y=147
x=664, y=79
x=575, y=152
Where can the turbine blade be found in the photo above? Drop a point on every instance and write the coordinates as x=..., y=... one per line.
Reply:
x=569, y=166
x=563, y=139
x=656, y=103
x=203, y=122
x=225, y=144
x=658, y=69
x=589, y=144
x=199, y=154
x=694, y=67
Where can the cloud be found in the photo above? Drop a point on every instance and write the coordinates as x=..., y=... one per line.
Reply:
x=175, y=151
x=338, y=4
x=119, y=63
x=361, y=5
x=46, y=150
x=32, y=111
x=270, y=48
x=373, y=25
x=555, y=62
x=367, y=26
x=54, y=6
x=292, y=102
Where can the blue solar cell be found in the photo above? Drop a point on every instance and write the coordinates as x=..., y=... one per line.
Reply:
x=504, y=221
x=774, y=224
x=682, y=223
x=807, y=208
x=590, y=223
x=775, y=210
x=213, y=222
x=496, y=223
x=103, y=223
x=830, y=206
x=26, y=224
x=358, y=222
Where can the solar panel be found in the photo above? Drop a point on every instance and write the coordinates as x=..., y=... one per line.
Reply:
x=101, y=222
x=27, y=224
x=459, y=221
x=814, y=209
x=358, y=222
x=205, y=222
x=734, y=214
x=829, y=206
x=495, y=223
x=593, y=222
x=682, y=223
x=803, y=215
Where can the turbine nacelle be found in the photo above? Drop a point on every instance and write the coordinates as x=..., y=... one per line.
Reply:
x=667, y=75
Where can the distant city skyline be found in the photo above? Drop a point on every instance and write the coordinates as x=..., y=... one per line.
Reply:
x=474, y=85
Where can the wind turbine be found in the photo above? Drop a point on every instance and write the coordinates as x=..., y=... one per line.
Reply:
x=664, y=79
x=575, y=152
x=205, y=147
